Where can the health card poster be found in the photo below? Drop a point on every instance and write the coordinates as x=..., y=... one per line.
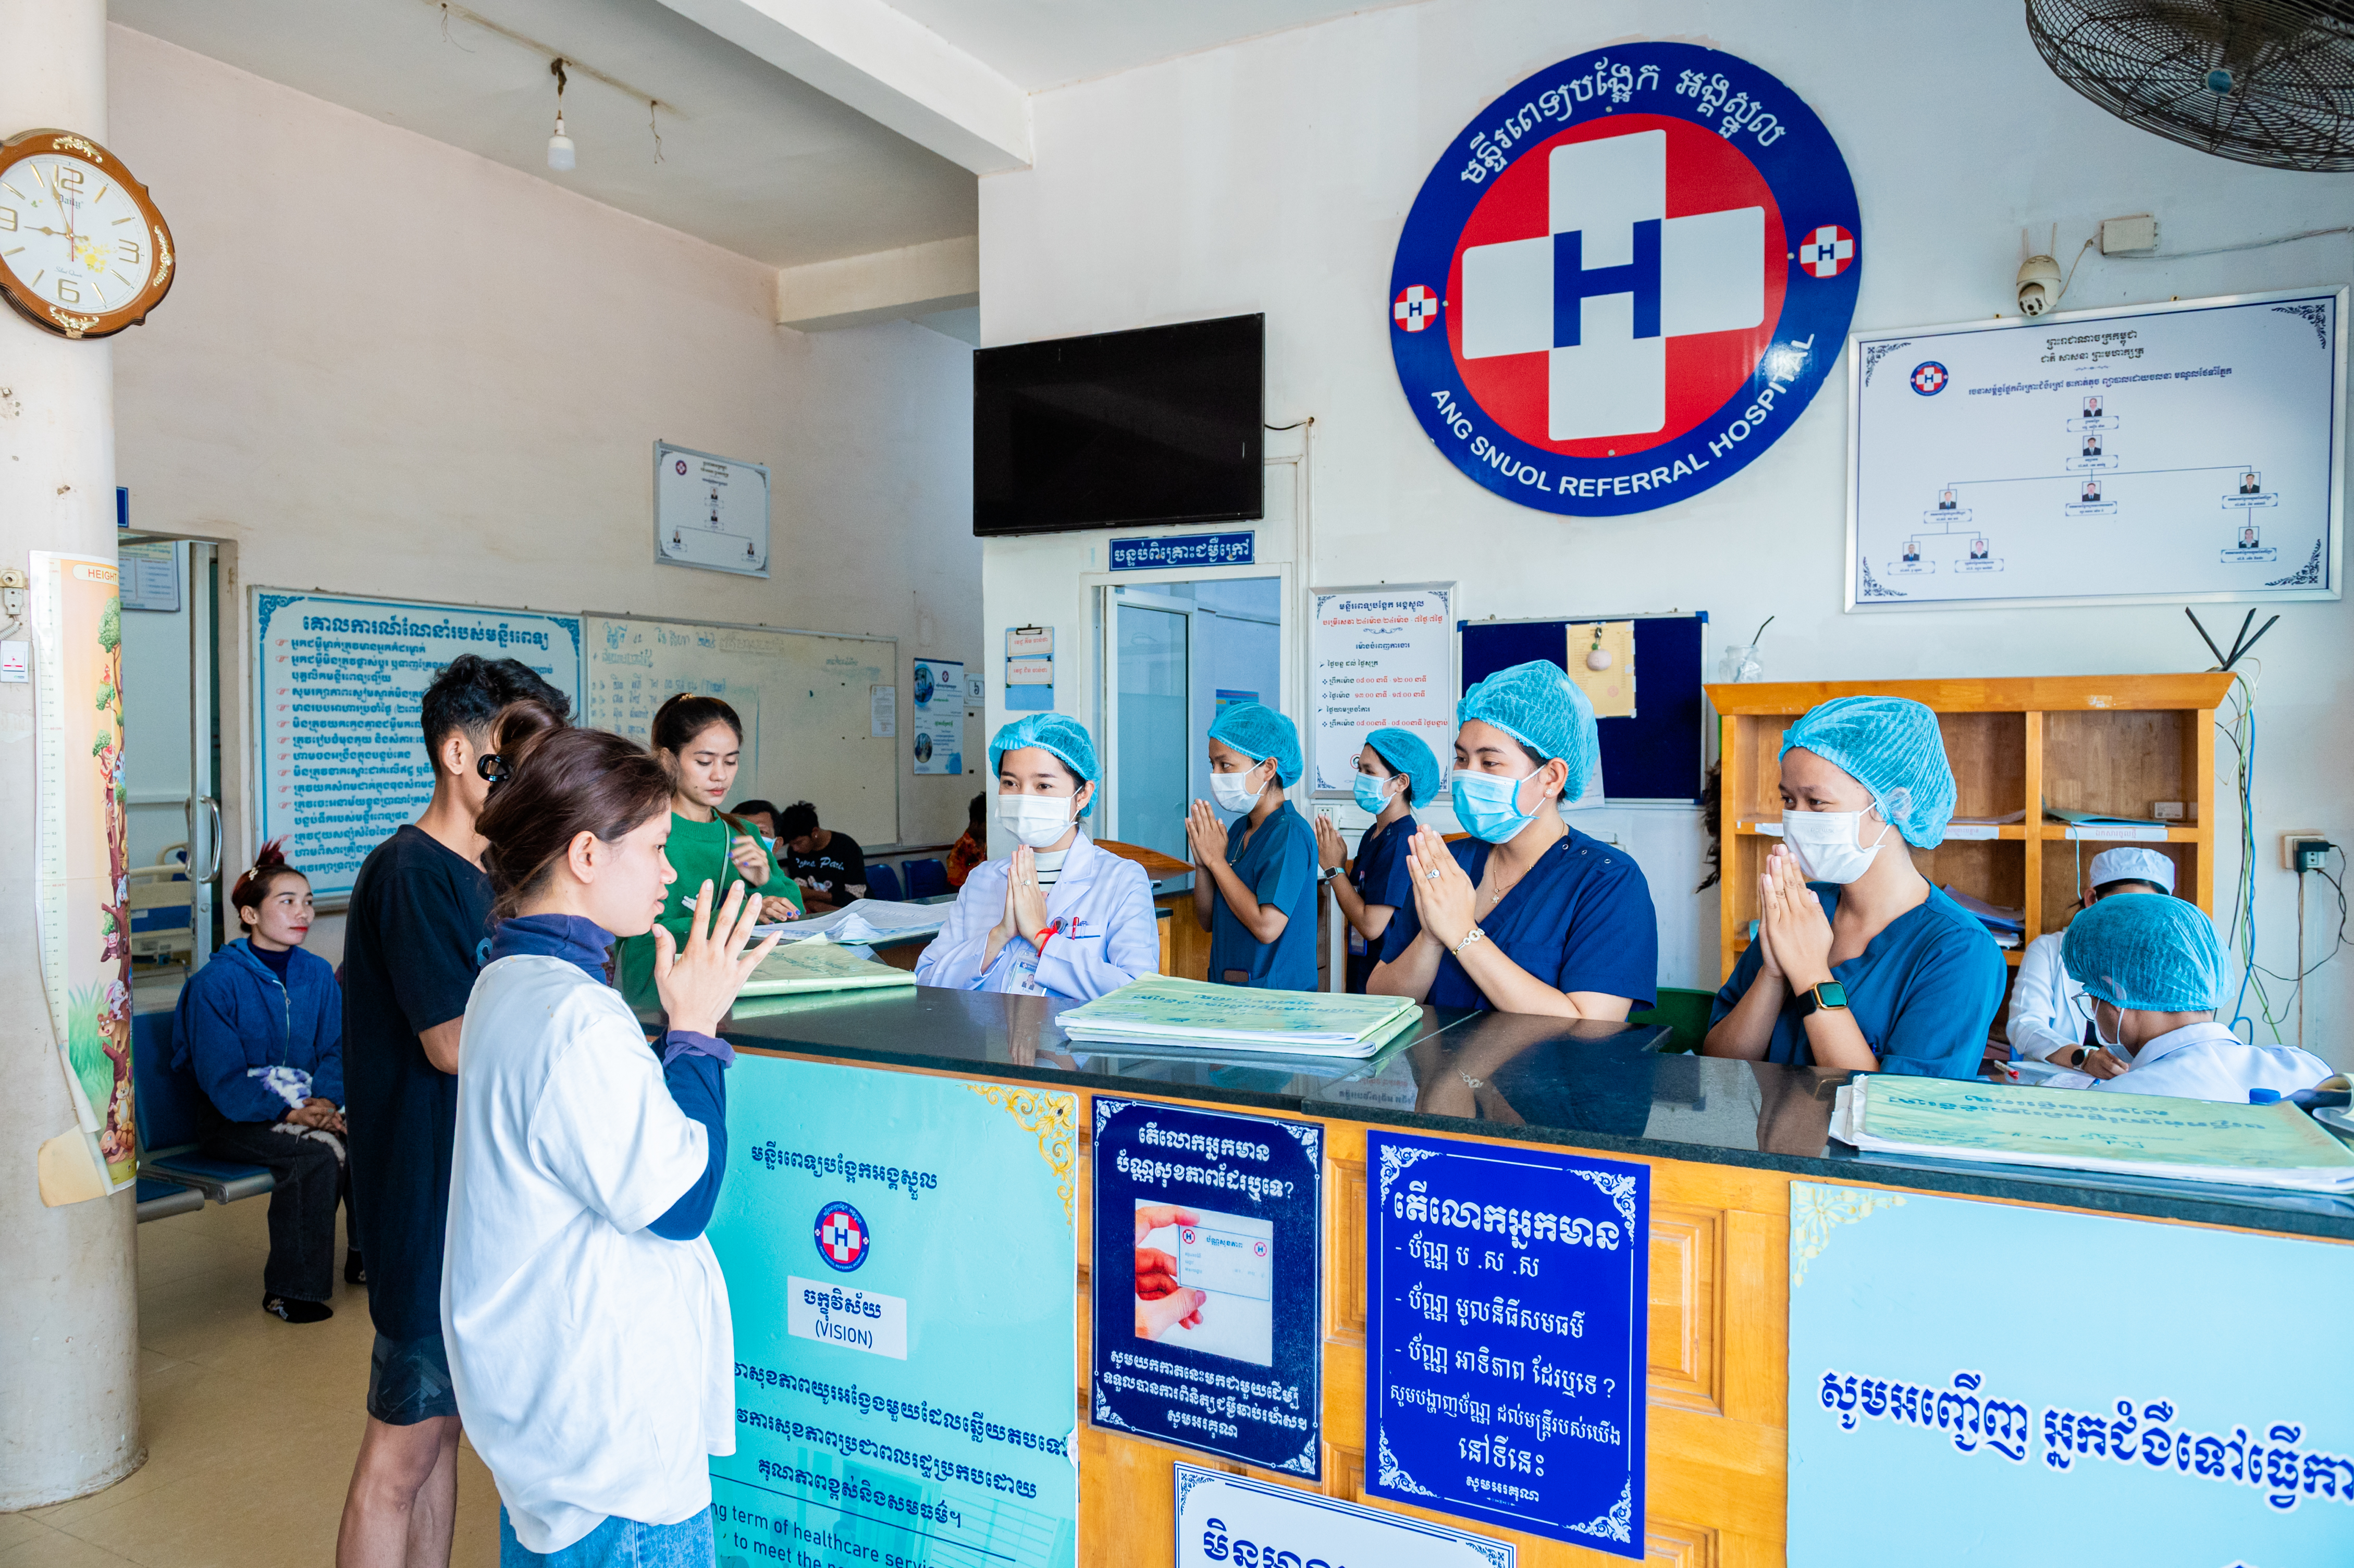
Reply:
x=2174, y=1414
x=1208, y=1257
x=901, y=1263
x=1507, y=1337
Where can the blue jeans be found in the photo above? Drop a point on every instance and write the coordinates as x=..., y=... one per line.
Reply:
x=619, y=1543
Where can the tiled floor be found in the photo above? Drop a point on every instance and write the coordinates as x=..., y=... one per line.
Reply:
x=250, y=1423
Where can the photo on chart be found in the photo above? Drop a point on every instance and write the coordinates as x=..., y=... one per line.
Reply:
x=1206, y=1280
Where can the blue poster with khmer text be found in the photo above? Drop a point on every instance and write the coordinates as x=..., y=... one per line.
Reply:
x=1507, y=1340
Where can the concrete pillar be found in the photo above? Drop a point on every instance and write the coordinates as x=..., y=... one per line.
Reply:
x=69, y=1299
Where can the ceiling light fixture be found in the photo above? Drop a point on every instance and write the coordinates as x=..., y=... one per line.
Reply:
x=559, y=146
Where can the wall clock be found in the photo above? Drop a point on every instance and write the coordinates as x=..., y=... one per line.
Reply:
x=83, y=252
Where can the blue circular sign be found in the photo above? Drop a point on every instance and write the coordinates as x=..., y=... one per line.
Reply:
x=1929, y=378
x=842, y=1238
x=1626, y=279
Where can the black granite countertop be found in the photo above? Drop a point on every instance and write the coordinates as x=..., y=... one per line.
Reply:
x=1601, y=1086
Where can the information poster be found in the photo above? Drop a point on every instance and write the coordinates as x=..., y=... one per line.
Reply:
x=85, y=910
x=2188, y=449
x=710, y=511
x=340, y=681
x=901, y=1255
x=2175, y=1410
x=1507, y=1340
x=1385, y=659
x=1029, y=669
x=1208, y=1243
x=1224, y=1519
x=940, y=715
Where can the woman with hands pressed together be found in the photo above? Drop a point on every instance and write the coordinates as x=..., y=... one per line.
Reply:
x=1058, y=916
x=702, y=741
x=1396, y=773
x=1528, y=914
x=1255, y=881
x=1859, y=962
x=586, y=1317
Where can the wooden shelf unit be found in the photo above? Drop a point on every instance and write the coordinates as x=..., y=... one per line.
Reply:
x=2112, y=744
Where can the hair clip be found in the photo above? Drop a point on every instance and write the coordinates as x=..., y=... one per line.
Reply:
x=492, y=766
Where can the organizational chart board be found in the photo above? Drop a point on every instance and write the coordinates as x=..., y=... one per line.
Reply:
x=2186, y=450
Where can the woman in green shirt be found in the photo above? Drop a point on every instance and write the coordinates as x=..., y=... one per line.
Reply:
x=703, y=740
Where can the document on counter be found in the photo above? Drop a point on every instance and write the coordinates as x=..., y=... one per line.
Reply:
x=2078, y=1129
x=864, y=920
x=1163, y=1010
x=819, y=965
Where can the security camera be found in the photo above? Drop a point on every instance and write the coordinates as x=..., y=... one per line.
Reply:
x=2039, y=285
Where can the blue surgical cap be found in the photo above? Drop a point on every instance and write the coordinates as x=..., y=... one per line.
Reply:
x=1407, y=753
x=1259, y=732
x=1890, y=746
x=2151, y=953
x=1539, y=705
x=1063, y=736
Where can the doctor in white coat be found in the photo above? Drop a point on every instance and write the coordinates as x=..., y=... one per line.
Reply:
x=1058, y=916
x=2153, y=972
x=2047, y=1012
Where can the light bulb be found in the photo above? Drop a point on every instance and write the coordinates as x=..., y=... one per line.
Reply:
x=559, y=149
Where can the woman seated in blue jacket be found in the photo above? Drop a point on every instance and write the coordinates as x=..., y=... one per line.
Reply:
x=260, y=1028
x=1859, y=962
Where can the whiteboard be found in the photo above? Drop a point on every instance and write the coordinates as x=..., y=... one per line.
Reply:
x=803, y=697
x=337, y=681
x=2185, y=450
x=1384, y=657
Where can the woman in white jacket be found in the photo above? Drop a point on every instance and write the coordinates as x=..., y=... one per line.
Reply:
x=585, y=1315
x=1058, y=916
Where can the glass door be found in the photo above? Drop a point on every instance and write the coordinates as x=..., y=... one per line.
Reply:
x=1152, y=647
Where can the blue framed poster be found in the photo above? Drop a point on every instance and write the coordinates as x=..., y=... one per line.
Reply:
x=1208, y=1299
x=1626, y=279
x=2141, y=1393
x=1508, y=1336
x=900, y=1253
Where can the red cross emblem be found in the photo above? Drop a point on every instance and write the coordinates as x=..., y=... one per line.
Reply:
x=1414, y=308
x=842, y=1238
x=1827, y=252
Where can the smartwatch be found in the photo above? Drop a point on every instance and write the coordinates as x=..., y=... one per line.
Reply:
x=1829, y=994
x=2083, y=1055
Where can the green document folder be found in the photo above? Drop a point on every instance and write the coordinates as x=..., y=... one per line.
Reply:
x=1162, y=1009
x=796, y=969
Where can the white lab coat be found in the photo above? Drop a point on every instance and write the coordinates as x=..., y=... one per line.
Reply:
x=1109, y=933
x=2043, y=1016
x=2207, y=1062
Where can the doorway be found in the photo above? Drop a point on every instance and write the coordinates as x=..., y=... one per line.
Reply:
x=1181, y=652
x=171, y=757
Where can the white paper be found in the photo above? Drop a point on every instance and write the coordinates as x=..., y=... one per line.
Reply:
x=1383, y=658
x=883, y=711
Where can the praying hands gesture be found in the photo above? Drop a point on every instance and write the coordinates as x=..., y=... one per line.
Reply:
x=1443, y=895
x=1792, y=930
x=1026, y=905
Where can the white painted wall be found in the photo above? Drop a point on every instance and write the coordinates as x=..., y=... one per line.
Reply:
x=391, y=367
x=1273, y=175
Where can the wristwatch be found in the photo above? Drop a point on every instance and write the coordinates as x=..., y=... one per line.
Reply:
x=2083, y=1055
x=1829, y=994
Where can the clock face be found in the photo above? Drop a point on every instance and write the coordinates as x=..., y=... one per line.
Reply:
x=71, y=236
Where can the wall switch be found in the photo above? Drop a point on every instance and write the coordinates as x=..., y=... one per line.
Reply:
x=2132, y=235
x=2167, y=811
x=2291, y=840
x=15, y=661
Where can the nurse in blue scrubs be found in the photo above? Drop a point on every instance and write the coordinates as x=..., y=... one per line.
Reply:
x=1528, y=914
x=1859, y=962
x=1255, y=881
x=1396, y=773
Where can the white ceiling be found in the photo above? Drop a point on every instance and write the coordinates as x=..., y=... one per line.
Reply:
x=755, y=161
x=1039, y=44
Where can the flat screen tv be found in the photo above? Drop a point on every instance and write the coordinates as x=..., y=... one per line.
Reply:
x=1160, y=425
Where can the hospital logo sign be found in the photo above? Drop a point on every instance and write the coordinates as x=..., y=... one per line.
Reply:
x=1625, y=279
x=1929, y=378
x=842, y=1238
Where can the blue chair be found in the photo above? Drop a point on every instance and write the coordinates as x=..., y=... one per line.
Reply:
x=882, y=882
x=161, y=1200
x=927, y=878
x=167, y=1121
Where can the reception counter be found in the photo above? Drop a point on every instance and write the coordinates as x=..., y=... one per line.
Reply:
x=1724, y=1141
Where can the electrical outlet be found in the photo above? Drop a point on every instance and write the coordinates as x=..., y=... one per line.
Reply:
x=13, y=584
x=2312, y=854
x=2292, y=838
x=2167, y=811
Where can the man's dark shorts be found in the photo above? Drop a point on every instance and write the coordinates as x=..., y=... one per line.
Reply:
x=409, y=1380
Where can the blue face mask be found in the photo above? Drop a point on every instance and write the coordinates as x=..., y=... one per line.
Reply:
x=1488, y=806
x=1373, y=793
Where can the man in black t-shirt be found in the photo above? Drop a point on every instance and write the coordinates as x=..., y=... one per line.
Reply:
x=418, y=929
x=829, y=864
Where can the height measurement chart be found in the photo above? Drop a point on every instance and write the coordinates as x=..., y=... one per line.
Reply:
x=2188, y=449
x=1507, y=1337
x=340, y=681
x=1384, y=658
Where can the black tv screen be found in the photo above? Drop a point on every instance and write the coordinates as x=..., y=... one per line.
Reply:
x=1161, y=425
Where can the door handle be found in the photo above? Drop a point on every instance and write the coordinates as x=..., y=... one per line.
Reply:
x=208, y=867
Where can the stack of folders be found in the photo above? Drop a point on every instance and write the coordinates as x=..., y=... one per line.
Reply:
x=2080, y=1129
x=1162, y=1010
x=798, y=967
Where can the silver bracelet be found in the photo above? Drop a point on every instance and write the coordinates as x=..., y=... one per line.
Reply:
x=1474, y=935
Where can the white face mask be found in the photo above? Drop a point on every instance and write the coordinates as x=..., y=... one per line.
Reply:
x=1035, y=819
x=1825, y=844
x=1233, y=794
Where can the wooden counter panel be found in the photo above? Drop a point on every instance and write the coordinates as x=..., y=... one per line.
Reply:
x=1685, y=1311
